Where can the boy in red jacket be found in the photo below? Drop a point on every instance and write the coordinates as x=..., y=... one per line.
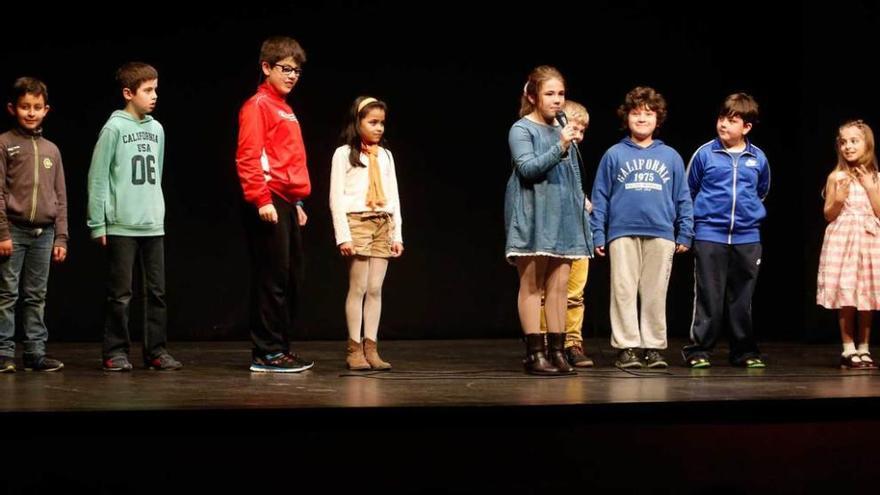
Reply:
x=271, y=162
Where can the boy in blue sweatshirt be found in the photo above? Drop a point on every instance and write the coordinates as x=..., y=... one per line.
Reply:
x=642, y=215
x=729, y=178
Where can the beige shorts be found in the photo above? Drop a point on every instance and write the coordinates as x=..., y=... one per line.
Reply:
x=371, y=233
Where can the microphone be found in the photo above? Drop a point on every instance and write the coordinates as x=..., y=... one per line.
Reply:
x=561, y=118
x=563, y=121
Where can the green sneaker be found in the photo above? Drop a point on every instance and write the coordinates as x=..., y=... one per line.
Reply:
x=755, y=363
x=7, y=364
x=698, y=363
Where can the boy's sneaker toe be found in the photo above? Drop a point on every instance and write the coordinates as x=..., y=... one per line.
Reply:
x=117, y=363
x=164, y=362
x=42, y=363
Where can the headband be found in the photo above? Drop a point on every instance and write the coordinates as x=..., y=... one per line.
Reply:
x=365, y=102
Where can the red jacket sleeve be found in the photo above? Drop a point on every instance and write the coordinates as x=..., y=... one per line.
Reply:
x=251, y=140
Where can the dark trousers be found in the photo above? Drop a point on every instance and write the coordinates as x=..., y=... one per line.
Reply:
x=122, y=254
x=725, y=278
x=278, y=263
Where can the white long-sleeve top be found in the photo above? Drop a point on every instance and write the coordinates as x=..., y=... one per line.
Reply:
x=348, y=191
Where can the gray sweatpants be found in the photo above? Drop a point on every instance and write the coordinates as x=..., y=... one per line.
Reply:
x=640, y=268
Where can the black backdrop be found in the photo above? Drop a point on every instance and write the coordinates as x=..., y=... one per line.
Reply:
x=452, y=75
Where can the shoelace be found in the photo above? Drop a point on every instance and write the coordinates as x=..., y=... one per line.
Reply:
x=283, y=358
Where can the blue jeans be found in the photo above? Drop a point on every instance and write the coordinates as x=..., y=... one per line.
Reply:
x=29, y=264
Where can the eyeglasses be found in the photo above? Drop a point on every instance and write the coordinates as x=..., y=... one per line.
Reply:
x=288, y=70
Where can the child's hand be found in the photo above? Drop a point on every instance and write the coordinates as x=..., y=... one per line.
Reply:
x=600, y=250
x=841, y=188
x=102, y=241
x=59, y=254
x=568, y=135
x=588, y=205
x=347, y=249
x=268, y=214
x=6, y=247
x=301, y=216
x=866, y=178
x=397, y=249
x=681, y=248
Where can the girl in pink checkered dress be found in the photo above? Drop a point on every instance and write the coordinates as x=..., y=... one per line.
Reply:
x=849, y=266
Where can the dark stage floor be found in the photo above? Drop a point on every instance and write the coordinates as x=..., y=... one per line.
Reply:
x=453, y=417
x=426, y=373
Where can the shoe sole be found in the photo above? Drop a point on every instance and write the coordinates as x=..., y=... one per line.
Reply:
x=116, y=369
x=700, y=366
x=586, y=363
x=256, y=368
x=627, y=366
x=8, y=369
x=556, y=373
x=45, y=370
x=156, y=368
x=659, y=364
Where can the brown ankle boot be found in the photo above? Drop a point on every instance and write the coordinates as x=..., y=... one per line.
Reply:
x=556, y=355
x=354, y=357
x=536, y=361
x=372, y=355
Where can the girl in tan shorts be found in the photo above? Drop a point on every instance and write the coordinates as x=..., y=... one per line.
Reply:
x=367, y=222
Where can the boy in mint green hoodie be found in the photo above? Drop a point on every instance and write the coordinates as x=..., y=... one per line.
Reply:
x=126, y=215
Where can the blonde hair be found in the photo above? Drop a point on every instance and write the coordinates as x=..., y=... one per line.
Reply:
x=868, y=160
x=576, y=113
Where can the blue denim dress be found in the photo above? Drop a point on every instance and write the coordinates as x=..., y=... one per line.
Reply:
x=544, y=204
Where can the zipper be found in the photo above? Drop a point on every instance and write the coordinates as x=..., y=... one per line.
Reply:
x=36, y=179
x=733, y=208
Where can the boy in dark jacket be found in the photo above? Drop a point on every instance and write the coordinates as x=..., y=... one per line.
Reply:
x=33, y=224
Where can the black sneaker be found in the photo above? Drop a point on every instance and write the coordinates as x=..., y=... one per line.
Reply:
x=7, y=364
x=163, y=362
x=41, y=363
x=281, y=362
x=117, y=363
x=653, y=359
x=627, y=358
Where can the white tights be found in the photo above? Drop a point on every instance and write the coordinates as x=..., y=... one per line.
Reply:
x=364, y=300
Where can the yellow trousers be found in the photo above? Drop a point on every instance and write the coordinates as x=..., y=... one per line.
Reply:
x=574, y=315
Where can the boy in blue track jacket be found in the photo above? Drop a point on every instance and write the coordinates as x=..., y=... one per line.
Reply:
x=728, y=178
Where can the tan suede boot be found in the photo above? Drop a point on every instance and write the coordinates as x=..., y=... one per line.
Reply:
x=354, y=357
x=372, y=355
